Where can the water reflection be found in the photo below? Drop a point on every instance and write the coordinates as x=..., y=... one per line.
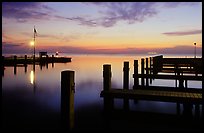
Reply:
x=88, y=86
x=32, y=77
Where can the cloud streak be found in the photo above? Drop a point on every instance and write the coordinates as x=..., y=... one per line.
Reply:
x=114, y=12
x=110, y=12
x=183, y=33
x=23, y=11
x=130, y=12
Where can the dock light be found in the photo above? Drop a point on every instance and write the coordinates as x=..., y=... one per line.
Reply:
x=32, y=43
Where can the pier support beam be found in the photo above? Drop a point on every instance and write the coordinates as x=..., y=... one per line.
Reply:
x=108, y=101
x=151, y=67
x=135, y=75
x=142, y=71
x=67, y=99
x=53, y=61
x=197, y=111
x=147, y=72
x=2, y=66
x=15, y=64
x=126, y=83
x=25, y=63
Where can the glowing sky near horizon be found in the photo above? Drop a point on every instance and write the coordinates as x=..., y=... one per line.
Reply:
x=102, y=25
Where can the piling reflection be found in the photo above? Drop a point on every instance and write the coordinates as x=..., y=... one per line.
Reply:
x=33, y=78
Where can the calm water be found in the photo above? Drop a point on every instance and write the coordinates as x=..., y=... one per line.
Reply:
x=42, y=86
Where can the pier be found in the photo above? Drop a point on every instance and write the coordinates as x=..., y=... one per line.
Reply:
x=182, y=69
x=22, y=61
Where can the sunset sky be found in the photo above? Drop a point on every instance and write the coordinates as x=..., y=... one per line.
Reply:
x=90, y=27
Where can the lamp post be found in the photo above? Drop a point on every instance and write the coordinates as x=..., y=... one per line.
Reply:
x=32, y=43
x=195, y=50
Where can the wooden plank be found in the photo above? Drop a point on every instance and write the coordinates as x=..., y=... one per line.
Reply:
x=166, y=88
x=184, y=77
x=153, y=95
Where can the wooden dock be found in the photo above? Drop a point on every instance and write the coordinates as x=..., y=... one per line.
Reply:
x=18, y=61
x=180, y=93
x=155, y=95
x=171, y=65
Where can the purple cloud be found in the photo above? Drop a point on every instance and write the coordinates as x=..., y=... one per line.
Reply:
x=5, y=44
x=23, y=11
x=117, y=11
x=83, y=21
x=183, y=33
x=131, y=12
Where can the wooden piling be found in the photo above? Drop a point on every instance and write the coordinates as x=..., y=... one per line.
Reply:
x=126, y=76
x=187, y=110
x=126, y=83
x=47, y=58
x=2, y=58
x=135, y=75
x=25, y=63
x=53, y=58
x=2, y=66
x=142, y=71
x=15, y=60
x=178, y=109
x=33, y=59
x=53, y=61
x=25, y=60
x=15, y=64
x=108, y=102
x=151, y=66
x=67, y=99
x=176, y=73
x=47, y=65
x=147, y=72
x=106, y=77
x=197, y=111
x=186, y=84
x=181, y=86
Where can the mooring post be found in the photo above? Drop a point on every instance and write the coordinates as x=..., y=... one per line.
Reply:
x=178, y=109
x=187, y=110
x=15, y=64
x=186, y=84
x=142, y=71
x=126, y=76
x=34, y=59
x=126, y=83
x=53, y=60
x=135, y=75
x=151, y=71
x=67, y=99
x=147, y=72
x=108, y=101
x=25, y=63
x=197, y=111
x=2, y=66
x=176, y=73
x=181, y=86
x=25, y=60
x=15, y=59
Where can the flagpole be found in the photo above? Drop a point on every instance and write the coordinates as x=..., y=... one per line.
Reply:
x=34, y=45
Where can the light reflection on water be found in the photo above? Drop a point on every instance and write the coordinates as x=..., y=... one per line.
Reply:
x=32, y=76
x=44, y=83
